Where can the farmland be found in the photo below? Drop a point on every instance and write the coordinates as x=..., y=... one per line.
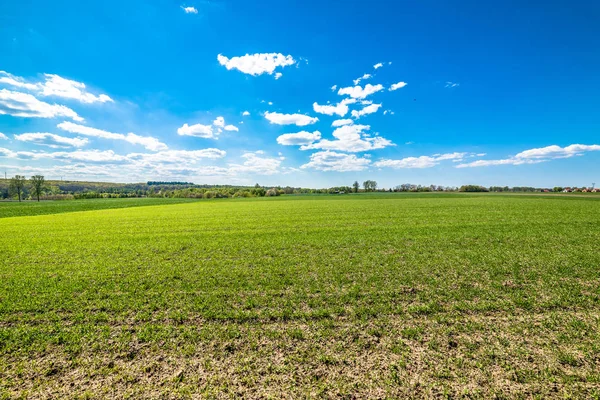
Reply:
x=366, y=296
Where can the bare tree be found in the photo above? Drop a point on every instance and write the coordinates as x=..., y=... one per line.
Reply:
x=38, y=184
x=16, y=186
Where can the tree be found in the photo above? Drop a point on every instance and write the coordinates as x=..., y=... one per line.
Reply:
x=38, y=184
x=16, y=186
x=355, y=185
x=369, y=185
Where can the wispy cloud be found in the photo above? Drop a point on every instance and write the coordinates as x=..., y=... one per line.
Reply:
x=148, y=142
x=26, y=105
x=358, y=92
x=189, y=10
x=537, y=155
x=51, y=140
x=397, y=86
x=333, y=161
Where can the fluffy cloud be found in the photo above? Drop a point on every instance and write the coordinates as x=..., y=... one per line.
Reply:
x=256, y=163
x=176, y=156
x=3, y=136
x=397, y=86
x=298, y=139
x=246, y=113
x=422, y=161
x=357, y=80
x=537, y=155
x=189, y=10
x=148, y=142
x=378, y=65
x=333, y=88
x=278, y=75
x=332, y=161
x=51, y=140
x=341, y=122
x=357, y=92
x=340, y=109
x=56, y=86
x=290, y=119
x=257, y=64
x=20, y=104
x=370, y=109
x=197, y=130
x=206, y=131
x=351, y=138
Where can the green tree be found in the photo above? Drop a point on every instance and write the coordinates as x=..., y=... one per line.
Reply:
x=38, y=184
x=369, y=185
x=356, y=186
x=16, y=186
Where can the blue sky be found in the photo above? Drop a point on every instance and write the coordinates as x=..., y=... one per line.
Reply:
x=450, y=93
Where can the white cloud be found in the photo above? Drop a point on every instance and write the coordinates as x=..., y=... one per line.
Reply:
x=56, y=86
x=340, y=109
x=290, y=119
x=370, y=109
x=298, y=139
x=51, y=140
x=378, y=65
x=397, y=86
x=452, y=84
x=190, y=10
x=3, y=136
x=351, y=138
x=256, y=163
x=246, y=113
x=176, y=156
x=422, y=161
x=219, y=121
x=333, y=88
x=341, y=122
x=257, y=64
x=20, y=104
x=358, y=92
x=537, y=155
x=231, y=128
x=332, y=161
x=386, y=112
x=197, y=130
x=148, y=142
x=278, y=75
x=357, y=80
x=61, y=87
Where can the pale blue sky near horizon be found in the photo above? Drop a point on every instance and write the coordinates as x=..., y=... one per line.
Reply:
x=426, y=92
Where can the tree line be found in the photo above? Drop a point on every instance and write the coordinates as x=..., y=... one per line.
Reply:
x=18, y=184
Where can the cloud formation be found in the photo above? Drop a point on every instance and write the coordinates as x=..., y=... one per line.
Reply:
x=190, y=10
x=26, y=105
x=420, y=162
x=333, y=161
x=358, y=92
x=51, y=140
x=397, y=86
x=55, y=86
x=290, y=119
x=257, y=64
x=370, y=109
x=537, y=155
x=148, y=142
x=298, y=139
x=350, y=138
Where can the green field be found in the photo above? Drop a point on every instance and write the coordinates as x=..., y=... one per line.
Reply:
x=28, y=208
x=357, y=296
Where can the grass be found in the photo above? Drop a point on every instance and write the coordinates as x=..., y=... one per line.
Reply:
x=28, y=208
x=363, y=296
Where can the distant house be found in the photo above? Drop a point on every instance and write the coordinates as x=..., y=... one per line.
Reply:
x=595, y=190
x=584, y=190
x=567, y=190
